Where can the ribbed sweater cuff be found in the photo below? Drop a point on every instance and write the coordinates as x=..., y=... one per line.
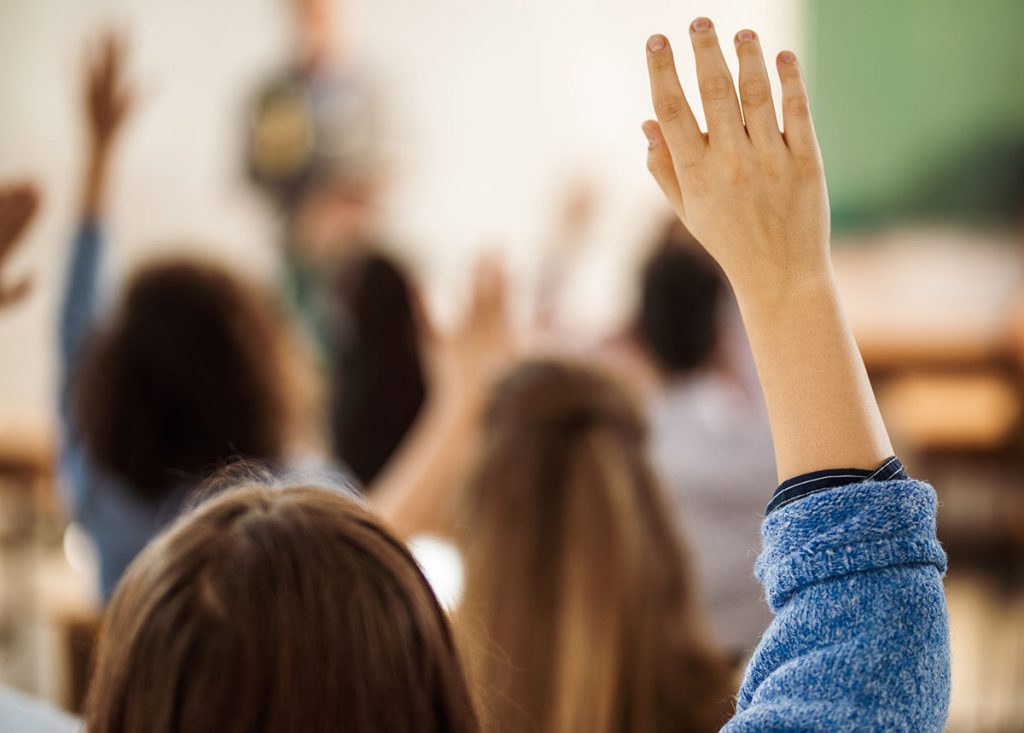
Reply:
x=856, y=528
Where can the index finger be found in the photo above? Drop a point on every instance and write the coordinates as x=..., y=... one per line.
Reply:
x=682, y=134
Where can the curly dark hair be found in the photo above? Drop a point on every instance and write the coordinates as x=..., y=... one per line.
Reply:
x=185, y=377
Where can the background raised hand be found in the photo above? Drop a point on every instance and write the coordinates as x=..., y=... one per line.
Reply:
x=108, y=102
x=466, y=361
x=422, y=483
x=109, y=98
x=18, y=205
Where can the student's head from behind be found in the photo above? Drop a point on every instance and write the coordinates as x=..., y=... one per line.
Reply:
x=382, y=384
x=187, y=374
x=681, y=291
x=574, y=571
x=276, y=610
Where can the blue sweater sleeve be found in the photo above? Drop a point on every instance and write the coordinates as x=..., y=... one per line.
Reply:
x=78, y=309
x=77, y=317
x=860, y=639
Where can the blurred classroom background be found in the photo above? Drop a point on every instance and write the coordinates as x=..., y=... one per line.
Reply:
x=487, y=118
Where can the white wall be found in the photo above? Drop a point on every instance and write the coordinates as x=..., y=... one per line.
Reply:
x=493, y=106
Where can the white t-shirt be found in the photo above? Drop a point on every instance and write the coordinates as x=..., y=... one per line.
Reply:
x=712, y=448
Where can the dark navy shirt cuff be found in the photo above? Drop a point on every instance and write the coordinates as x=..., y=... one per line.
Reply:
x=811, y=483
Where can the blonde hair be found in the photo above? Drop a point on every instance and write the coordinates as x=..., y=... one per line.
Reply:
x=579, y=610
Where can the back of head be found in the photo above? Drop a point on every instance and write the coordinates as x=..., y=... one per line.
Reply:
x=186, y=376
x=679, y=309
x=574, y=570
x=276, y=610
x=382, y=386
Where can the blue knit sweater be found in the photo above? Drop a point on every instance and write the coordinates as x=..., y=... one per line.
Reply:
x=860, y=639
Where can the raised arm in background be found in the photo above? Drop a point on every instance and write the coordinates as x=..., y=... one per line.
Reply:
x=107, y=103
x=852, y=568
x=18, y=204
x=418, y=488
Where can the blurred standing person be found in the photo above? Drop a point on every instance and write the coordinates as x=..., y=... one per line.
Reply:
x=710, y=439
x=312, y=151
x=189, y=371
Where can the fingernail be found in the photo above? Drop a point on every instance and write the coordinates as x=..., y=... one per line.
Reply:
x=787, y=57
x=700, y=24
x=745, y=35
x=655, y=43
x=652, y=139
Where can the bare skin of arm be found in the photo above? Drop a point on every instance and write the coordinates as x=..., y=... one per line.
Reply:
x=755, y=197
x=108, y=103
x=420, y=486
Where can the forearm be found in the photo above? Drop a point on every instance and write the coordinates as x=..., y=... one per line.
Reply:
x=853, y=572
x=414, y=493
x=822, y=411
x=79, y=303
x=94, y=182
x=78, y=306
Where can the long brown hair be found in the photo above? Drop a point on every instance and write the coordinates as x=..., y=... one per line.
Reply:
x=578, y=612
x=277, y=610
x=380, y=386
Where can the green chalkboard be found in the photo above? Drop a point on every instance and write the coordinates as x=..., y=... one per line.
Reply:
x=919, y=105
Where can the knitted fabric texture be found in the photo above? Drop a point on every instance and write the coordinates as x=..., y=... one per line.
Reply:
x=860, y=639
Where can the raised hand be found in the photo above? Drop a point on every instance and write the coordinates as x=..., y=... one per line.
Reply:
x=482, y=345
x=108, y=102
x=18, y=204
x=422, y=483
x=753, y=195
x=108, y=97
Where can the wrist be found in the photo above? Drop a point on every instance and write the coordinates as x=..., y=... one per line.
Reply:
x=95, y=180
x=785, y=287
x=455, y=404
x=98, y=158
x=798, y=304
